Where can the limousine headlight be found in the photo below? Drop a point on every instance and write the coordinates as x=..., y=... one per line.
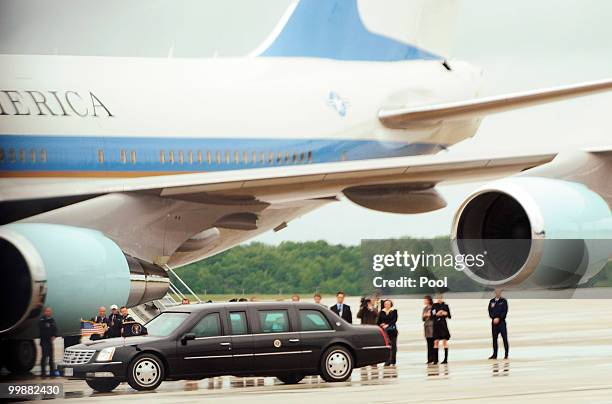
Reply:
x=105, y=355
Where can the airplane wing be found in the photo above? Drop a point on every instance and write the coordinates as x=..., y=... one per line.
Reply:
x=424, y=115
x=271, y=184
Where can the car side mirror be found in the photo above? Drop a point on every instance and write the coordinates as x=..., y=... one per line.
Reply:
x=188, y=337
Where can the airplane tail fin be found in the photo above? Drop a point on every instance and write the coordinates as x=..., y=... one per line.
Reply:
x=365, y=30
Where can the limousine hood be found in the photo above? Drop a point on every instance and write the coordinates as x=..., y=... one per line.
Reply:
x=116, y=342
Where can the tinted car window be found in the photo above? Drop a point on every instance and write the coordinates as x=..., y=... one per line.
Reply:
x=274, y=320
x=313, y=320
x=209, y=326
x=165, y=323
x=238, y=322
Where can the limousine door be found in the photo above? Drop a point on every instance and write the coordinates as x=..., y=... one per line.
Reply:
x=210, y=352
x=276, y=342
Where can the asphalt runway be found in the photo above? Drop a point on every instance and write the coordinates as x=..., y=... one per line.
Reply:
x=561, y=350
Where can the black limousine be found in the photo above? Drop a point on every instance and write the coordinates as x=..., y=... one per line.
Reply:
x=286, y=340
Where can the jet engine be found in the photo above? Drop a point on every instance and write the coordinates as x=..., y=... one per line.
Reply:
x=534, y=232
x=73, y=270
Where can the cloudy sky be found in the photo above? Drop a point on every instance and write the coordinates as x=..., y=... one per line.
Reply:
x=521, y=44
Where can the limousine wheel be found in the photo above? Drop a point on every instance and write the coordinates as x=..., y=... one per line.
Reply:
x=336, y=364
x=102, y=386
x=145, y=372
x=290, y=378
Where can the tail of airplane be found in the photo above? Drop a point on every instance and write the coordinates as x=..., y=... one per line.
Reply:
x=365, y=30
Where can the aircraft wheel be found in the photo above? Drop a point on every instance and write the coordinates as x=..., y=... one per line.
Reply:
x=20, y=355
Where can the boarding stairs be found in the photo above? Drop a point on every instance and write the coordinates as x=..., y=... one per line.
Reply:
x=177, y=291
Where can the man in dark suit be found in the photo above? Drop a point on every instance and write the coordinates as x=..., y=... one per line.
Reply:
x=498, y=310
x=341, y=309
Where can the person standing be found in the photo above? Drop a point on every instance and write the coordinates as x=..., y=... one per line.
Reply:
x=428, y=327
x=48, y=332
x=440, y=313
x=367, y=313
x=101, y=317
x=498, y=310
x=387, y=319
x=114, y=323
x=341, y=309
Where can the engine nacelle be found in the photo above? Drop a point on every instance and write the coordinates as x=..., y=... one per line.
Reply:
x=73, y=270
x=537, y=232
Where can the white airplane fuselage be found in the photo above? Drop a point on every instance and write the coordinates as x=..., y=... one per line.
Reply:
x=100, y=117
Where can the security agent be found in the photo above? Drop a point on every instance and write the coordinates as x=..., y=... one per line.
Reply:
x=341, y=309
x=48, y=332
x=498, y=310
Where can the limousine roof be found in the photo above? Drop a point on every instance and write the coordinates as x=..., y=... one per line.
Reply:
x=196, y=307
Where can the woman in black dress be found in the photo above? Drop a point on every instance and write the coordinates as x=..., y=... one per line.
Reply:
x=387, y=319
x=440, y=313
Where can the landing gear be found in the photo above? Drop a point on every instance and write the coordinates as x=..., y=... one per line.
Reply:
x=18, y=356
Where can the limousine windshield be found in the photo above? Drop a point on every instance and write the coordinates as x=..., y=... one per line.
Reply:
x=164, y=324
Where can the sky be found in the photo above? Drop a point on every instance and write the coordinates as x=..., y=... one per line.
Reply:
x=521, y=45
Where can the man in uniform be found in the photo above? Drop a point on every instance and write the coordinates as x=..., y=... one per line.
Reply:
x=341, y=309
x=48, y=332
x=498, y=310
x=114, y=323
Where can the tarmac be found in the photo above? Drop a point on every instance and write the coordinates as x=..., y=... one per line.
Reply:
x=561, y=350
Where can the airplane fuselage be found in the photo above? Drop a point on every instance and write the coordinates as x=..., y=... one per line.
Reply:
x=66, y=116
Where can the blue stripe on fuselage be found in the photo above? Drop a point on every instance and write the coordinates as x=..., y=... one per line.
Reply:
x=100, y=154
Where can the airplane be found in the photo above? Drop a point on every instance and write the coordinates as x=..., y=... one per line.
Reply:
x=115, y=170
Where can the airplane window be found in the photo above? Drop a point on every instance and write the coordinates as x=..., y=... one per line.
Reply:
x=254, y=157
x=302, y=156
x=343, y=156
x=208, y=157
x=43, y=155
x=100, y=156
x=162, y=157
x=274, y=321
x=190, y=157
x=1, y=154
x=200, y=157
x=123, y=156
x=171, y=156
x=279, y=157
x=12, y=156
x=294, y=157
x=133, y=156
x=309, y=156
x=238, y=322
x=181, y=157
x=237, y=157
x=313, y=320
x=287, y=154
x=218, y=157
x=271, y=158
x=22, y=155
x=228, y=157
x=245, y=157
x=33, y=155
x=209, y=326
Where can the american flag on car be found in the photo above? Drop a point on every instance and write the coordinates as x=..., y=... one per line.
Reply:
x=88, y=328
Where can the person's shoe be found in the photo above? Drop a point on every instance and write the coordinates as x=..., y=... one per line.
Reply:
x=493, y=357
x=444, y=362
x=506, y=356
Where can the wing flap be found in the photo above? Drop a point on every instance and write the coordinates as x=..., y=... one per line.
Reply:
x=405, y=118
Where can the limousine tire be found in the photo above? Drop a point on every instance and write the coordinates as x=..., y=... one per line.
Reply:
x=290, y=378
x=146, y=372
x=102, y=386
x=336, y=364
